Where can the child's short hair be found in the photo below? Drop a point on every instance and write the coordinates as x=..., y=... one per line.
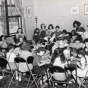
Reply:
x=10, y=46
x=64, y=31
x=57, y=27
x=40, y=49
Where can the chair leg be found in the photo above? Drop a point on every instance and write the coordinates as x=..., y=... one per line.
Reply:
x=34, y=81
x=10, y=81
x=53, y=84
x=13, y=77
x=82, y=82
x=28, y=81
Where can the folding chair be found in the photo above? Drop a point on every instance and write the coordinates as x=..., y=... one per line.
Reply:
x=3, y=64
x=35, y=78
x=3, y=82
x=18, y=61
x=58, y=76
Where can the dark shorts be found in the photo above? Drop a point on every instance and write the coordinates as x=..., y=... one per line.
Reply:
x=39, y=70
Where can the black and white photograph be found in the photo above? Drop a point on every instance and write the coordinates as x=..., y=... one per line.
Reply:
x=43, y=43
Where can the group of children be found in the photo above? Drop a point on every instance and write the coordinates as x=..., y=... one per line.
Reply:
x=51, y=47
x=65, y=47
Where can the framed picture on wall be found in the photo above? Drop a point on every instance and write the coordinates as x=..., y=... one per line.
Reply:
x=75, y=10
x=86, y=9
x=29, y=11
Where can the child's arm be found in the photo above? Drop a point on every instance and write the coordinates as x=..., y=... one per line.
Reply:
x=46, y=61
x=41, y=64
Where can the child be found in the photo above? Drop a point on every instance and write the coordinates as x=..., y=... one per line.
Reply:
x=77, y=44
x=3, y=43
x=58, y=32
x=10, y=56
x=56, y=45
x=43, y=31
x=66, y=41
x=36, y=35
x=39, y=63
x=82, y=67
x=81, y=31
x=74, y=56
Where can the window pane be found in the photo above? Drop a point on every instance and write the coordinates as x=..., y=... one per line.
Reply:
x=13, y=24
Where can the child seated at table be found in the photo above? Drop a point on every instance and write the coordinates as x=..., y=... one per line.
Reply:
x=82, y=67
x=77, y=44
x=74, y=56
x=39, y=63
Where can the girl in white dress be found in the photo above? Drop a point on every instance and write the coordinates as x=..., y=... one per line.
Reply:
x=82, y=67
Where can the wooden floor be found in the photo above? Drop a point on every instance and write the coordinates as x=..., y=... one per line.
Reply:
x=22, y=84
x=4, y=84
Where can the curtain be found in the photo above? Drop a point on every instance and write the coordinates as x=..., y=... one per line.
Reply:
x=18, y=5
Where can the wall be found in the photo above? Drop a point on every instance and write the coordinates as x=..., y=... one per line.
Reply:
x=58, y=12
x=29, y=21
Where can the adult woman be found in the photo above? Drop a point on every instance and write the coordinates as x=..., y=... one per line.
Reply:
x=3, y=43
x=19, y=34
x=43, y=31
x=51, y=32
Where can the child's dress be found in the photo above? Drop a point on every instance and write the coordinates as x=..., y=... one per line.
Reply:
x=82, y=72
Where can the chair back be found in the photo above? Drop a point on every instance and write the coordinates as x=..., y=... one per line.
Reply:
x=58, y=73
x=21, y=64
x=3, y=62
x=30, y=59
x=19, y=60
x=56, y=69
